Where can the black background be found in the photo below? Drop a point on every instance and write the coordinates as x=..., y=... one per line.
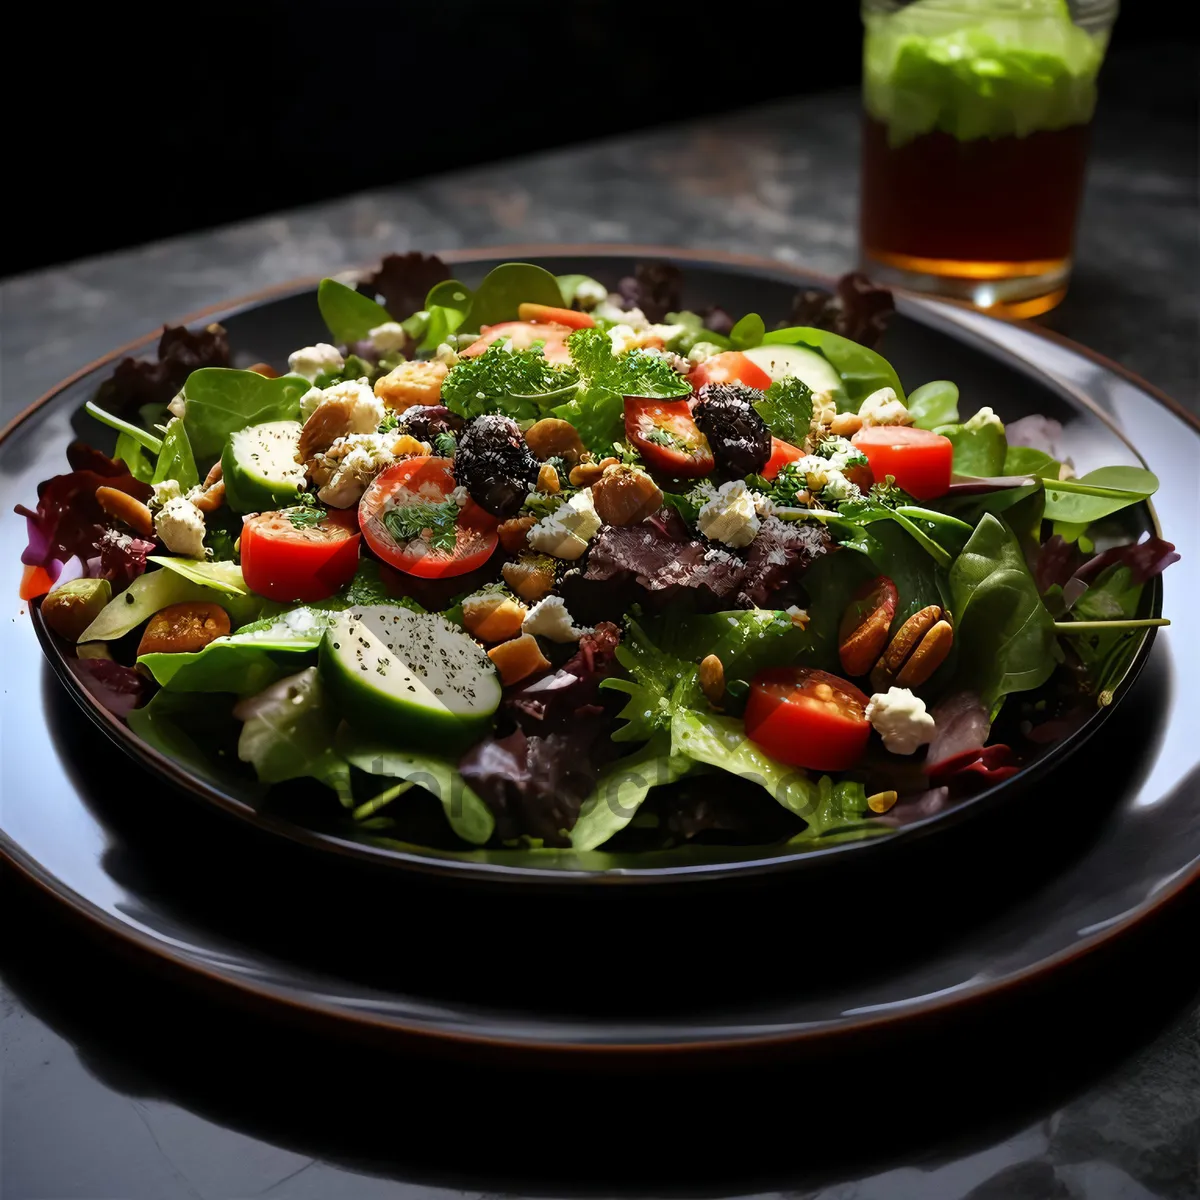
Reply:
x=134, y=122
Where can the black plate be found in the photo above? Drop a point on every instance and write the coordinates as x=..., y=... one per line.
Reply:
x=267, y=328
x=856, y=944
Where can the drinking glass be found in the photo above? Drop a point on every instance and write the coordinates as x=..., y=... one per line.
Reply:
x=975, y=139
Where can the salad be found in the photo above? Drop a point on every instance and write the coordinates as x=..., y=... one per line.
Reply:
x=565, y=567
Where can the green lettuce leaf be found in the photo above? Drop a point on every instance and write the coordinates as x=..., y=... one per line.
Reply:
x=220, y=576
x=175, y=460
x=198, y=732
x=132, y=453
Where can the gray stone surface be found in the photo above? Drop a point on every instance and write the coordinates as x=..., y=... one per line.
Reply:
x=778, y=182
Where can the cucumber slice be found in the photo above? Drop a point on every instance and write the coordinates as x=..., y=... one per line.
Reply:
x=409, y=678
x=782, y=361
x=260, y=469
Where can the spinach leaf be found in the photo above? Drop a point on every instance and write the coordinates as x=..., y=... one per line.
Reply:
x=175, y=460
x=1004, y=634
x=141, y=436
x=1098, y=494
x=830, y=583
x=132, y=453
x=893, y=552
x=349, y=315
x=197, y=731
x=721, y=742
x=505, y=288
x=156, y=589
x=862, y=370
x=1025, y=460
x=622, y=788
x=749, y=331
x=447, y=305
x=220, y=401
x=468, y=815
x=934, y=404
x=220, y=576
x=1106, y=654
x=288, y=734
x=786, y=407
x=980, y=446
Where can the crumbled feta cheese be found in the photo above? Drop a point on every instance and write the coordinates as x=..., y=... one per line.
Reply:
x=388, y=337
x=611, y=310
x=311, y=361
x=667, y=332
x=900, y=719
x=460, y=495
x=840, y=453
x=799, y=616
x=566, y=532
x=350, y=464
x=763, y=505
x=983, y=418
x=180, y=526
x=730, y=515
x=164, y=492
x=589, y=294
x=366, y=411
x=309, y=402
x=178, y=406
x=549, y=618
x=623, y=338
x=838, y=488
x=702, y=351
x=446, y=353
x=884, y=407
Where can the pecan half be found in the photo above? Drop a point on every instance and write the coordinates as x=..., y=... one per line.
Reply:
x=625, y=496
x=920, y=646
x=863, y=632
x=125, y=508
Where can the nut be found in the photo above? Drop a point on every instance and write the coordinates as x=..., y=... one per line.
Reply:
x=262, y=368
x=493, y=616
x=125, y=508
x=183, y=628
x=552, y=438
x=211, y=498
x=412, y=383
x=531, y=576
x=711, y=677
x=881, y=802
x=330, y=420
x=908, y=661
x=863, y=632
x=215, y=472
x=587, y=473
x=547, y=480
x=845, y=424
x=625, y=496
x=518, y=659
x=514, y=533
x=406, y=445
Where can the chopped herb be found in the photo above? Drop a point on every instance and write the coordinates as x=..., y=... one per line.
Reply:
x=514, y=382
x=445, y=444
x=389, y=424
x=542, y=504
x=304, y=517
x=434, y=523
x=783, y=488
x=664, y=437
x=787, y=408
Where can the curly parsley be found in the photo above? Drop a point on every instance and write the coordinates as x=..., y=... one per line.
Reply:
x=514, y=382
x=436, y=524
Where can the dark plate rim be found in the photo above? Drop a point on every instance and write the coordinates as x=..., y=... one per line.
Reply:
x=303, y=1004
x=432, y=863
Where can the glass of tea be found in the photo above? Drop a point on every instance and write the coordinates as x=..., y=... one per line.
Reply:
x=975, y=139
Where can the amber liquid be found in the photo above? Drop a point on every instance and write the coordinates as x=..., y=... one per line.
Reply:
x=986, y=209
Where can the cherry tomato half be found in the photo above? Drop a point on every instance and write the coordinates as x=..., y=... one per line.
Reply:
x=524, y=334
x=549, y=315
x=730, y=367
x=424, y=479
x=807, y=718
x=921, y=461
x=782, y=453
x=666, y=437
x=311, y=562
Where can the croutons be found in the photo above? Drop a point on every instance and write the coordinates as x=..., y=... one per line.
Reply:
x=625, y=496
x=412, y=383
x=514, y=533
x=183, y=628
x=518, y=659
x=493, y=616
x=531, y=576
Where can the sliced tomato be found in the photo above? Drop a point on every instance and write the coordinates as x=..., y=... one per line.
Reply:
x=782, y=453
x=523, y=335
x=920, y=461
x=284, y=561
x=556, y=316
x=666, y=437
x=807, y=718
x=731, y=367
x=424, y=479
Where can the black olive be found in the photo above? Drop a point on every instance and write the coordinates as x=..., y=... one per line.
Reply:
x=739, y=437
x=495, y=465
x=426, y=421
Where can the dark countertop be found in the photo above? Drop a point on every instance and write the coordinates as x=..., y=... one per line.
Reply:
x=86, y=1112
